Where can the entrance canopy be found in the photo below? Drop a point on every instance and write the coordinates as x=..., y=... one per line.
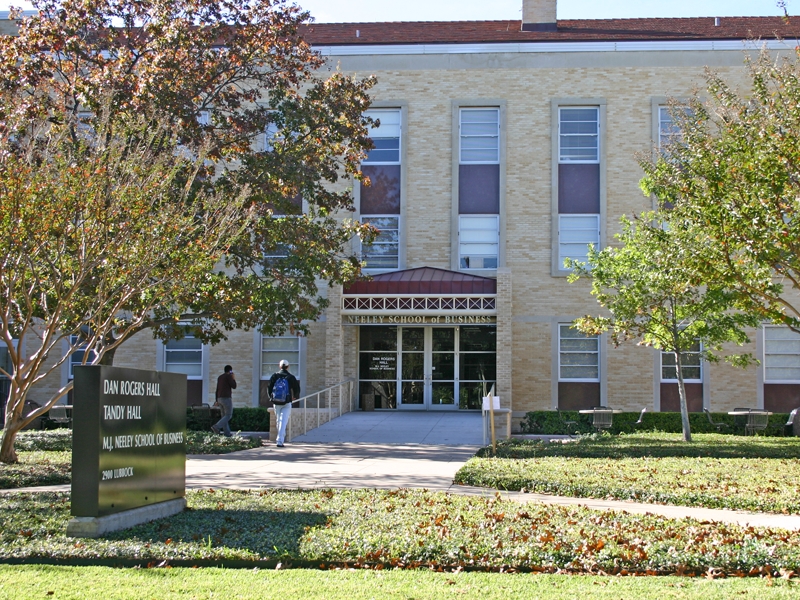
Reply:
x=422, y=291
x=424, y=280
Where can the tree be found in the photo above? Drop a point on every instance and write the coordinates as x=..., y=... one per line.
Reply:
x=652, y=298
x=220, y=112
x=734, y=182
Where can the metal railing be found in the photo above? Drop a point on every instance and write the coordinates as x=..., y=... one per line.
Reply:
x=313, y=415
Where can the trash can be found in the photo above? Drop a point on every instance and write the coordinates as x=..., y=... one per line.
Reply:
x=368, y=402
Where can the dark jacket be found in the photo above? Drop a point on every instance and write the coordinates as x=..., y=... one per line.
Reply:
x=294, y=385
x=225, y=383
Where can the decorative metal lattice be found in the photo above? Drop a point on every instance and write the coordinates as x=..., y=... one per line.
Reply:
x=419, y=303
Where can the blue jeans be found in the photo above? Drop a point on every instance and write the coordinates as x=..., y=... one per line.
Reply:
x=282, y=415
x=226, y=404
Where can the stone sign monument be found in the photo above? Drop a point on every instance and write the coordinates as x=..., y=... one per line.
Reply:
x=129, y=453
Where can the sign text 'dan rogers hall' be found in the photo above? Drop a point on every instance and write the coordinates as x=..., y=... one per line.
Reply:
x=132, y=425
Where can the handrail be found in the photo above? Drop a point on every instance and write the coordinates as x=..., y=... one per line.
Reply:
x=329, y=394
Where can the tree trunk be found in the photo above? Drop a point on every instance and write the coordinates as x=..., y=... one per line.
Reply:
x=687, y=433
x=8, y=454
x=108, y=358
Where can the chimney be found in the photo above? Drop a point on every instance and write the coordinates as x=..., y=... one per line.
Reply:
x=539, y=15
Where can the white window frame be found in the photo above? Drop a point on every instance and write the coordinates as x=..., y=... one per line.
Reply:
x=365, y=254
x=394, y=125
x=71, y=364
x=375, y=132
x=767, y=353
x=561, y=352
x=462, y=136
x=593, y=240
x=698, y=352
x=464, y=245
x=295, y=366
x=203, y=359
x=562, y=158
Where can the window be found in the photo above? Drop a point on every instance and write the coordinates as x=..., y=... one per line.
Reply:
x=669, y=132
x=575, y=234
x=480, y=136
x=380, y=201
x=579, y=135
x=578, y=182
x=76, y=359
x=479, y=238
x=276, y=349
x=781, y=355
x=184, y=356
x=692, y=366
x=479, y=188
x=578, y=355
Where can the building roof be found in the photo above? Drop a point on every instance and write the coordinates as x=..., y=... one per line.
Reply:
x=467, y=32
x=424, y=280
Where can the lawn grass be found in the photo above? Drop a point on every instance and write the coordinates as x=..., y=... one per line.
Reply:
x=77, y=583
x=405, y=528
x=713, y=471
x=37, y=468
x=45, y=457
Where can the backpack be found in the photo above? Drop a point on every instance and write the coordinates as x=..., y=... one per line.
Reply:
x=280, y=391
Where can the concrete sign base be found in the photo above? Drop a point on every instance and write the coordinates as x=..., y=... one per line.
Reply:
x=92, y=527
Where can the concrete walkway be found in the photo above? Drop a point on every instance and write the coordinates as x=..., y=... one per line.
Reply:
x=439, y=428
x=363, y=460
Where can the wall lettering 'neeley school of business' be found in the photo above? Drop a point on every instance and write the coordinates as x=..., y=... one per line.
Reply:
x=420, y=320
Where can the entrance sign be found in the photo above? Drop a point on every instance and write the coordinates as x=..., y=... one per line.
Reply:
x=418, y=319
x=128, y=439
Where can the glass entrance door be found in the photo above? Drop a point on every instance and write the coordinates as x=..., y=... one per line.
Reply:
x=428, y=368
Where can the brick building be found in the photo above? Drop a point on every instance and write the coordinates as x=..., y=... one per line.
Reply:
x=504, y=147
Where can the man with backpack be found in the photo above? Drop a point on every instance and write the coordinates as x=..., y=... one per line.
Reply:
x=283, y=388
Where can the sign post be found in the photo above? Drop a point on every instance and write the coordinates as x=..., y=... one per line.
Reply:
x=129, y=452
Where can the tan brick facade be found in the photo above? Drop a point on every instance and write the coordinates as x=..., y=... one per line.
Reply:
x=531, y=301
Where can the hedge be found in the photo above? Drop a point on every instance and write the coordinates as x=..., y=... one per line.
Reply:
x=549, y=422
x=244, y=419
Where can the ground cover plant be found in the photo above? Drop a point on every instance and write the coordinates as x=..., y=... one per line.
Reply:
x=713, y=471
x=45, y=457
x=404, y=529
x=72, y=583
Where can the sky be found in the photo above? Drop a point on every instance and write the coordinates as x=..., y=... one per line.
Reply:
x=345, y=11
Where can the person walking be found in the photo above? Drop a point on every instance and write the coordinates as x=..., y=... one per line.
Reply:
x=283, y=389
x=225, y=383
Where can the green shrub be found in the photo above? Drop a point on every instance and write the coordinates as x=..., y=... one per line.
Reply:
x=244, y=419
x=549, y=422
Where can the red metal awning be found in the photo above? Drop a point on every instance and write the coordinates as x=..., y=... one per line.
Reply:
x=424, y=280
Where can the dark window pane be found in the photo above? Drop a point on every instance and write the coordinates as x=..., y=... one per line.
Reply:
x=413, y=365
x=382, y=196
x=377, y=365
x=470, y=394
x=444, y=365
x=443, y=394
x=477, y=367
x=444, y=339
x=379, y=338
x=382, y=393
x=578, y=189
x=413, y=339
x=478, y=189
x=290, y=206
x=481, y=339
x=385, y=150
x=413, y=392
